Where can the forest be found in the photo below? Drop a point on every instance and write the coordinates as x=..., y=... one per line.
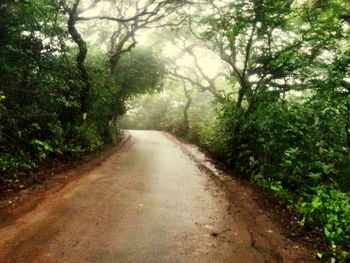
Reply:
x=261, y=85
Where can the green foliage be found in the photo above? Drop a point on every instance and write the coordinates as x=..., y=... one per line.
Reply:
x=41, y=148
x=296, y=151
x=82, y=139
x=41, y=87
x=165, y=112
x=140, y=71
x=216, y=139
x=13, y=163
x=332, y=208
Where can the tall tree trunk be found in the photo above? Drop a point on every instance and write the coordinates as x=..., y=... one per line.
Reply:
x=80, y=59
x=187, y=107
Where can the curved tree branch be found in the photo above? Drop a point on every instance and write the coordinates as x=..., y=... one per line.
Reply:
x=80, y=59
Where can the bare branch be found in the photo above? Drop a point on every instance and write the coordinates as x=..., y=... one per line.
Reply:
x=90, y=7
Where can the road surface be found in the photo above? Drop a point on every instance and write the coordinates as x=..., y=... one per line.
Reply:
x=149, y=202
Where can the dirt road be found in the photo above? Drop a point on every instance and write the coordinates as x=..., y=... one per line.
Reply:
x=147, y=203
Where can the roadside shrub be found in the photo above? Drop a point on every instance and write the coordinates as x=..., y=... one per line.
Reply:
x=85, y=138
x=295, y=150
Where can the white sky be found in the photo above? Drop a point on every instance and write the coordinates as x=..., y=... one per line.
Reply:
x=210, y=63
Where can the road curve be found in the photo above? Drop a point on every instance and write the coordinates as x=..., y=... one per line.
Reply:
x=147, y=203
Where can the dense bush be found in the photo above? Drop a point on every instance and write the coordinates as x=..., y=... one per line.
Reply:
x=296, y=149
x=42, y=90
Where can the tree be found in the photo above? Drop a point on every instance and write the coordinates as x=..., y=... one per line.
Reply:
x=49, y=84
x=187, y=92
x=267, y=44
x=128, y=17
